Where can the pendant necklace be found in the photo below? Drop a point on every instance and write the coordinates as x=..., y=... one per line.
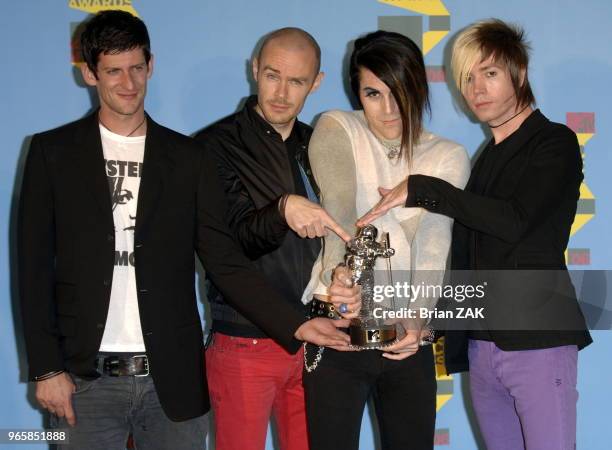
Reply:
x=130, y=133
x=392, y=149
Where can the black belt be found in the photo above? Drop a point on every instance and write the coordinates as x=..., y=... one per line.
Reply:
x=120, y=366
x=320, y=308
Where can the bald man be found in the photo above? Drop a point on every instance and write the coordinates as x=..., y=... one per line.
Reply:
x=261, y=153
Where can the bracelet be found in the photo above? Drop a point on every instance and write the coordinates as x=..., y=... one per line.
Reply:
x=48, y=375
x=430, y=338
x=281, y=205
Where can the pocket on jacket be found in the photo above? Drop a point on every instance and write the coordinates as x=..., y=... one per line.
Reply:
x=64, y=291
x=66, y=325
x=65, y=299
x=538, y=260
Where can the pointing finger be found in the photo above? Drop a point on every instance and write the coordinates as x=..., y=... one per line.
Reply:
x=332, y=225
x=369, y=217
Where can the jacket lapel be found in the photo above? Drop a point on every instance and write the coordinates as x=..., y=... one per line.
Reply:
x=156, y=167
x=475, y=172
x=515, y=144
x=90, y=160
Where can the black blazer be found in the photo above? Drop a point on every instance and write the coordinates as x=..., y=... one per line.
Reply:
x=514, y=214
x=256, y=168
x=66, y=259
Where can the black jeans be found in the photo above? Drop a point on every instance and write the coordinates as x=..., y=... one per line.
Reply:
x=404, y=394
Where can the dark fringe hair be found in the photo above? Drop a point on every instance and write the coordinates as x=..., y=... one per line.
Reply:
x=112, y=32
x=398, y=62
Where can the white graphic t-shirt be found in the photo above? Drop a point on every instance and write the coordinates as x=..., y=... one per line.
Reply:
x=123, y=158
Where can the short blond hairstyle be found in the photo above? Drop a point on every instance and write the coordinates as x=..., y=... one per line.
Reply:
x=493, y=38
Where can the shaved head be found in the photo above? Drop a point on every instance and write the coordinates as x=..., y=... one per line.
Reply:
x=286, y=70
x=293, y=39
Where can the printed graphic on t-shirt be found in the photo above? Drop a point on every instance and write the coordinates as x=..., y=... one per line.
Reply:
x=123, y=180
x=117, y=171
x=119, y=195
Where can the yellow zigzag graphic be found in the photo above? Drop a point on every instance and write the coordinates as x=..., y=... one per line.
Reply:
x=431, y=39
x=441, y=376
x=441, y=400
x=95, y=6
x=583, y=138
x=581, y=219
x=427, y=7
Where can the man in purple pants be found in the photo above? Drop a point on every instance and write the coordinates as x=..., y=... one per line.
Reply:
x=515, y=213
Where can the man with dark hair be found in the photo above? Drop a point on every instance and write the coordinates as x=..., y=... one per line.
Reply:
x=261, y=153
x=114, y=33
x=112, y=208
x=513, y=220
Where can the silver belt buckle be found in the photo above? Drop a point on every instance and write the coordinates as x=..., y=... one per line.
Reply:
x=146, y=362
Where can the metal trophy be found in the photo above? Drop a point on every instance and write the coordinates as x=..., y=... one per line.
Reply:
x=367, y=331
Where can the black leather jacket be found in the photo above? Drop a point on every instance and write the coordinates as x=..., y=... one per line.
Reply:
x=256, y=168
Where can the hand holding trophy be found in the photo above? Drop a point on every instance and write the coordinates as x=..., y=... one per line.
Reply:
x=366, y=330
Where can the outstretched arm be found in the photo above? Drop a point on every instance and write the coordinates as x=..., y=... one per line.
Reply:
x=242, y=286
x=553, y=173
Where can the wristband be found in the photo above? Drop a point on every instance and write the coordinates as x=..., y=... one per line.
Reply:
x=281, y=205
x=48, y=375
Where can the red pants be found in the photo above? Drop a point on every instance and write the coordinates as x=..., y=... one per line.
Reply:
x=249, y=380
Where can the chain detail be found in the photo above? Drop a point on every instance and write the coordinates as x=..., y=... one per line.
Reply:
x=317, y=360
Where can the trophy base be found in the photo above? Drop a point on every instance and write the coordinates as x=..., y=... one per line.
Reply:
x=374, y=337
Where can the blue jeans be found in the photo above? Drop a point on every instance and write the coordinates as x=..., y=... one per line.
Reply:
x=109, y=409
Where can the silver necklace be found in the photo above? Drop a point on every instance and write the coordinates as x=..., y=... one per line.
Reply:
x=393, y=150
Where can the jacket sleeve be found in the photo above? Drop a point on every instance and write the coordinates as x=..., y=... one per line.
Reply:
x=242, y=286
x=554, y=171
x=259, y=231
x=36, y=265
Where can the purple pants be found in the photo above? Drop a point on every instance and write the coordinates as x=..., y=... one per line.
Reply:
x=524, y=400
